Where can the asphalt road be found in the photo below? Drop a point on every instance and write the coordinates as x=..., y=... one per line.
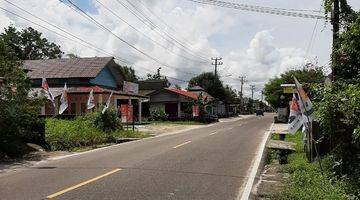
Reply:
x=206, y=163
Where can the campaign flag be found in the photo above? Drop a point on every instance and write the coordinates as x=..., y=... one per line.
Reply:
x=63, y=100
x=305, y=103
x=107, y=105
x=295, y=117
x=46, y=88
x=195, y=111
x=90, y=102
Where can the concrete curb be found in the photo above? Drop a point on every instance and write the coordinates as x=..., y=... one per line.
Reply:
x=254, y=172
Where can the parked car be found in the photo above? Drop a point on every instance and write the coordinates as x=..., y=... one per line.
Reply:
x=259, y=112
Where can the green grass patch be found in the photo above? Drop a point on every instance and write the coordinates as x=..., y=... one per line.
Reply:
x=307, y=181
x=80, y=134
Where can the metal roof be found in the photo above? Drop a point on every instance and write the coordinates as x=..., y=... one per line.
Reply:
x=66, y=67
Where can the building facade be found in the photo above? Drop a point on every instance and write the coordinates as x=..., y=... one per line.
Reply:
x=100, y=74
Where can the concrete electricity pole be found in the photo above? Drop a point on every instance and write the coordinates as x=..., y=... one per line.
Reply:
x=252, y=88
x=217, y=62
x=242, y=81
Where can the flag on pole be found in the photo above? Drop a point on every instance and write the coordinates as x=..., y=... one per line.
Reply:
x=107, y=105
x=46, y=88
x=295, y=117
x=305, y=103
x=63, y=100
x=90, y=102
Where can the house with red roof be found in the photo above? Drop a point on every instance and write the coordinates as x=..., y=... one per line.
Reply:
x=176, y=103
x=100, y=74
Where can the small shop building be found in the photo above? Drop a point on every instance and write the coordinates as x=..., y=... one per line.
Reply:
x=100, y=74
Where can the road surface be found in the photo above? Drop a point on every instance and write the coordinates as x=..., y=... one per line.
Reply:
x=212, y=162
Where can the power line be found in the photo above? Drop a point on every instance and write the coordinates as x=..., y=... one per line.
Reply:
x=183, y=40
x=61, y=29
x=166, y=36
x=90, y=45
x=91, y=19
x=149, y=38
x=259, y=9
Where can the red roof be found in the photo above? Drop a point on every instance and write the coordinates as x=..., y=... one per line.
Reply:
x=191, y=95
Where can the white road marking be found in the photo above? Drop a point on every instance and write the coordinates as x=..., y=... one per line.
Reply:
x=254, y=168
x=177, y=146
x=213, y=133
x=81, y=184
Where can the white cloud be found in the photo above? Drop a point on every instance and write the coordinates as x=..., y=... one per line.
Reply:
x=250, y=50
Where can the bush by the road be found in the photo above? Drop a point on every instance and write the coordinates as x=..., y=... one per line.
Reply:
x=307, y=181
x=84, y=131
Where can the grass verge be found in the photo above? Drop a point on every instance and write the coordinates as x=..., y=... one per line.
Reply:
x=307, y=181
x=80, y=135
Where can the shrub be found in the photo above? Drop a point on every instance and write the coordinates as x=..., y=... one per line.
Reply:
x=307, y=181
x=67, y=134
x=339, y=116
x=158, y=115
x=108, y=121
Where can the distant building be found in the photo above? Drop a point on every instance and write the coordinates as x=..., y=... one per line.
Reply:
x=175, y=102
x=100, y=74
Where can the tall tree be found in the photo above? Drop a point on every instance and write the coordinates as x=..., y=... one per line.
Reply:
x=158, y=76
x=18, y=110
x=210, y=83
x=309, y=74
x=28, y=44
x=128, y=73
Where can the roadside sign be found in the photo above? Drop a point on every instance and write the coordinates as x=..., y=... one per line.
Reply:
x=130, y=87
x=288, y=90
x=195, y=111
x=126, y=113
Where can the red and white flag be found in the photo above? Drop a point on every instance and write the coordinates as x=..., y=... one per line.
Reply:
x=107, y=105
x=48, y=94
x=64, y=100
x=90, y=102
x=295, y=117
x=305, y=103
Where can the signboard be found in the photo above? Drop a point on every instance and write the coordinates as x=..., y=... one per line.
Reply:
x=130, y=87
x=288, y=90
x=126, y=113
x=195, y=111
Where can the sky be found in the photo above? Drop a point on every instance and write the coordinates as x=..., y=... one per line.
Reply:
x=182, y=36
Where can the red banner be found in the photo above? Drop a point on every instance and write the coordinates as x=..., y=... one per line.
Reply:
x=195, y=111
x=126, y=113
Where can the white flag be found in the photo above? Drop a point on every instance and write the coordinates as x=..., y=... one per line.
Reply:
x=295, y=117
x=46, y=88
x=305, y=103
x=90, y=102
x=107, y=103
x=63, y=100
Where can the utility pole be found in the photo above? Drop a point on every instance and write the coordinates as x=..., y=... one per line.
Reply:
x=262, y=95
x=336, y=31
x=252, y=88
x=217, y=62
x=242, y=81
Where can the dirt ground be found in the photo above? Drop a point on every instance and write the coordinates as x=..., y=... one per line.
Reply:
x=156, y=129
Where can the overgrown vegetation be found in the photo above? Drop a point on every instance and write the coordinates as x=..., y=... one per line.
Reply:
x=308, y=75
x=18, y=110
x=307, y=181
x=90, y=129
